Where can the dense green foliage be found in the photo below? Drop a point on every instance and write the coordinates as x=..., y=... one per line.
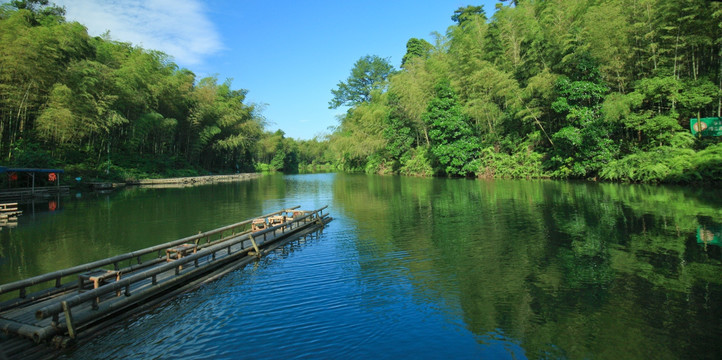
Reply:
x=452, y=141
x=101, y=108
x=565, y=89
x=599, y=89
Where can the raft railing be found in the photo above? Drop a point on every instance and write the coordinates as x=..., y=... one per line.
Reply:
x=53, y=310
x=57, y=276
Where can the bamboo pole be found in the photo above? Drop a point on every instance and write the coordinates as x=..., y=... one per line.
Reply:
x=69, y=320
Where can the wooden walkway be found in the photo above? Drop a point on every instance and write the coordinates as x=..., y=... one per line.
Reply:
x=193, y=180
x=54, y=308
x=23, y=194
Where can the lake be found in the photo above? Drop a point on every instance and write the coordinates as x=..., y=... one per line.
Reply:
x=411, y=268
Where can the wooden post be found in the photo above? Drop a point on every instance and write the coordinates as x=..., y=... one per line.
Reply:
x=255, y=246
x=69, y=320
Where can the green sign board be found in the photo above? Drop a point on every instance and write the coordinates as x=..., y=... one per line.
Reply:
x=709, y=235
x=711, y=126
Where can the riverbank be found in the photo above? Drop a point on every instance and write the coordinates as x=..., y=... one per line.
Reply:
x=21, y=194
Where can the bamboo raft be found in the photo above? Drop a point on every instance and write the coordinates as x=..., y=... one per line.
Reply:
x=9, y=215
x=54, y=308
x=193, y=180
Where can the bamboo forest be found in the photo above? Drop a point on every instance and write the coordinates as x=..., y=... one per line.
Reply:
x=566, y=89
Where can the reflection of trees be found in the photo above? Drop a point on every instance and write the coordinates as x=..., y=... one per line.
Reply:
x=599, y=270
x=104, y=225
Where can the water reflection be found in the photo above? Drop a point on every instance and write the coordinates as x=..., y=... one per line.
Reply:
x=417, y=268
x=597, y=270
x=709, y=234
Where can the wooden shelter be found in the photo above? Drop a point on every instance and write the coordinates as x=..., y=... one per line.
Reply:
x=27, y=178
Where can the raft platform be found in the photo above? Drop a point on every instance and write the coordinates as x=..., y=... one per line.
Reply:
x=9, y=215
x=60, y=309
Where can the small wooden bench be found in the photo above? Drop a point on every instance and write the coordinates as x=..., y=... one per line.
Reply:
x=276, y=220
x=8, y=206
x=10, y=209
x=98, y=278
x=178, y=252
x=258, y=225
x=297, y=214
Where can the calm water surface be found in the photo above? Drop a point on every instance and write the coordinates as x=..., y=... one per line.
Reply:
x=412, y=268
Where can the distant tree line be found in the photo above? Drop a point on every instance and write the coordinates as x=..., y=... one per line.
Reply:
x=596, y=89
x=109, y=109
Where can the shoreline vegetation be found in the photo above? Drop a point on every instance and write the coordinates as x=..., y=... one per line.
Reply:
x=595, y=90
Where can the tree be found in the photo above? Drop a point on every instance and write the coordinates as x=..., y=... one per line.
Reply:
x=369, y=73
x=41, y=10
x=608, y=41
x=452, y=139
x=582, y=144
x=413, y=88
x=463, y=14
x=361, y=132
x=416, y=48
x=398, y=131
x=279, y=152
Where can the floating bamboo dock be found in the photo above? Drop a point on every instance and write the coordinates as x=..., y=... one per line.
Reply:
x=9, y=215
x=56, y=308
x=193, y=180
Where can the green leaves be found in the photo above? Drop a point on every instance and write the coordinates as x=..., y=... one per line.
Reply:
x=416, y=49
x=452, y=140
x=586, y=88
x=369, y=73
x=56, y=123
x=696, y=95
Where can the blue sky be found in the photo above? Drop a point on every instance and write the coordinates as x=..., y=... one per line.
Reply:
x=287, y=54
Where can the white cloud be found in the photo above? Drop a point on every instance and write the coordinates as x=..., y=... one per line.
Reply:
x=179, y=28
